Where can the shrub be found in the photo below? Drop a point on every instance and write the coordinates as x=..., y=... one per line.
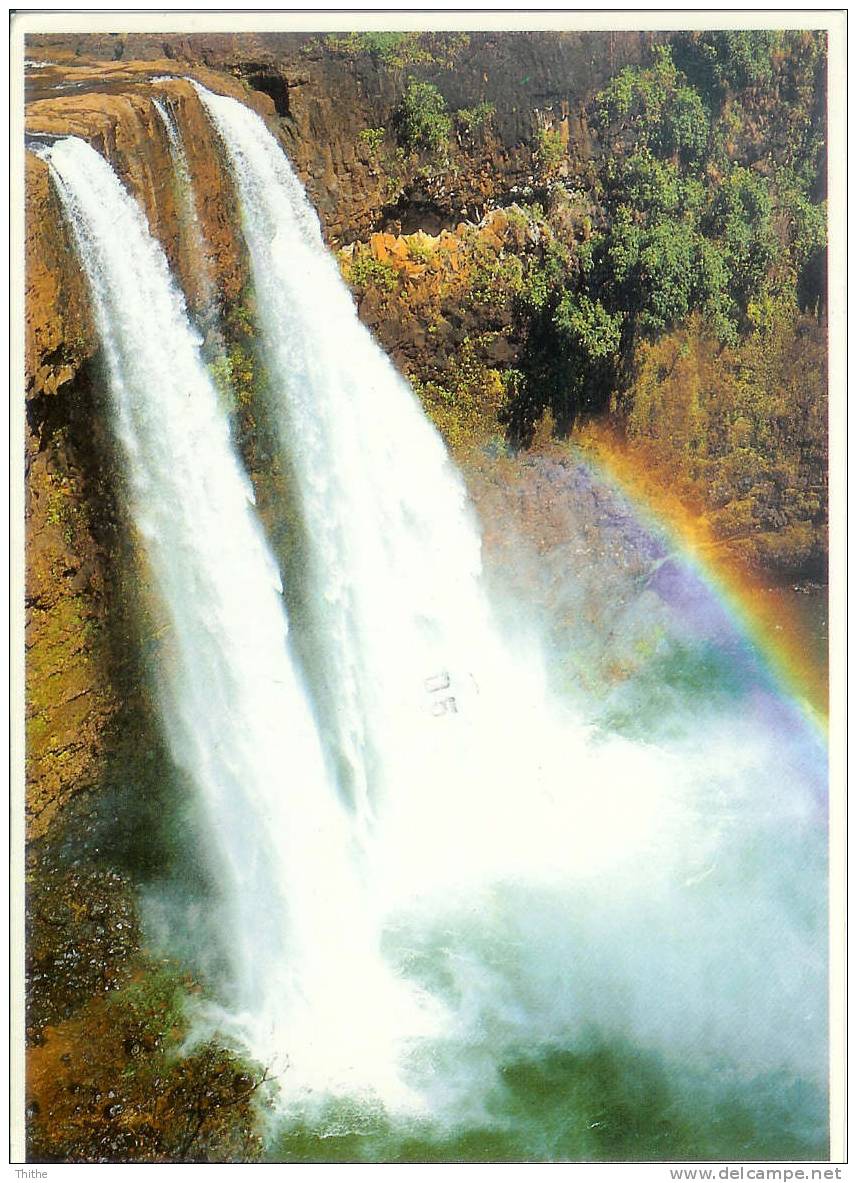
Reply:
x=740, y=218
x=550, y=151
x=394, y=49
x=365, y=271
x=740, y=57
x=424, y=123
x=667, y=269
x=686, y=127
x=493, y=281
x=586, y=325
x=523, y=217
x=711, y=292
x=463, y=403
x=657, y=108
x=637, y=97
x=644, y=183
x=420, y=250
x=390, y=48
x=544, y=276
x=372, y=137
x=398, y=49
x=235, y=377
x=471, y=120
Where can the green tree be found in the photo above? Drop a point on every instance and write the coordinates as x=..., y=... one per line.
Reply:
x=655, y=109
x=684, y=225
x=740, y=218
x=665, y=276
x=712, y=283
x=643, y=183
x=740, y=57
x=586, y=326
x=686, y=126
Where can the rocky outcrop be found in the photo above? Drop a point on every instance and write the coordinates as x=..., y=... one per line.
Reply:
x=116, y=115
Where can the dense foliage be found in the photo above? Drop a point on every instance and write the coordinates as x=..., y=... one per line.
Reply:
x=704, y=202
x=740, y=435
x=424, y=125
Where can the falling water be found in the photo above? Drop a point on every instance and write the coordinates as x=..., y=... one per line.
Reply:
x=555, y=885
x=188, y=216
x=404, y=662
x=233, y=708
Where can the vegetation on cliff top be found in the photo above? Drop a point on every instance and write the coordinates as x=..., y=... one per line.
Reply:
x=396, y=50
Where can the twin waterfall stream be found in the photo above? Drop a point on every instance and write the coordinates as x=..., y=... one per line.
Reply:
x=425, y=864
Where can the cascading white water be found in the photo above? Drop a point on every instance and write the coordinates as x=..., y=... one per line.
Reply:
x=543, y=880
x=188, y=216
x=410, y=674
x=235, y=712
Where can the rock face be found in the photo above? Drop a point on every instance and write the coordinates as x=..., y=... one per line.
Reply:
x=326, y=92
x=70, y=698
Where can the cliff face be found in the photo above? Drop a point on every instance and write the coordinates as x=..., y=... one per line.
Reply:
x=326, y=92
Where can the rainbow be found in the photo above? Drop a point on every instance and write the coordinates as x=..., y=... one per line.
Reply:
x=771, y=625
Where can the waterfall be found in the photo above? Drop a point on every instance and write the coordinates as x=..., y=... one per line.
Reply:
x=293, y=929
x=409, y=674
x=186, y=200
x=429, y=866
x=546, y=880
